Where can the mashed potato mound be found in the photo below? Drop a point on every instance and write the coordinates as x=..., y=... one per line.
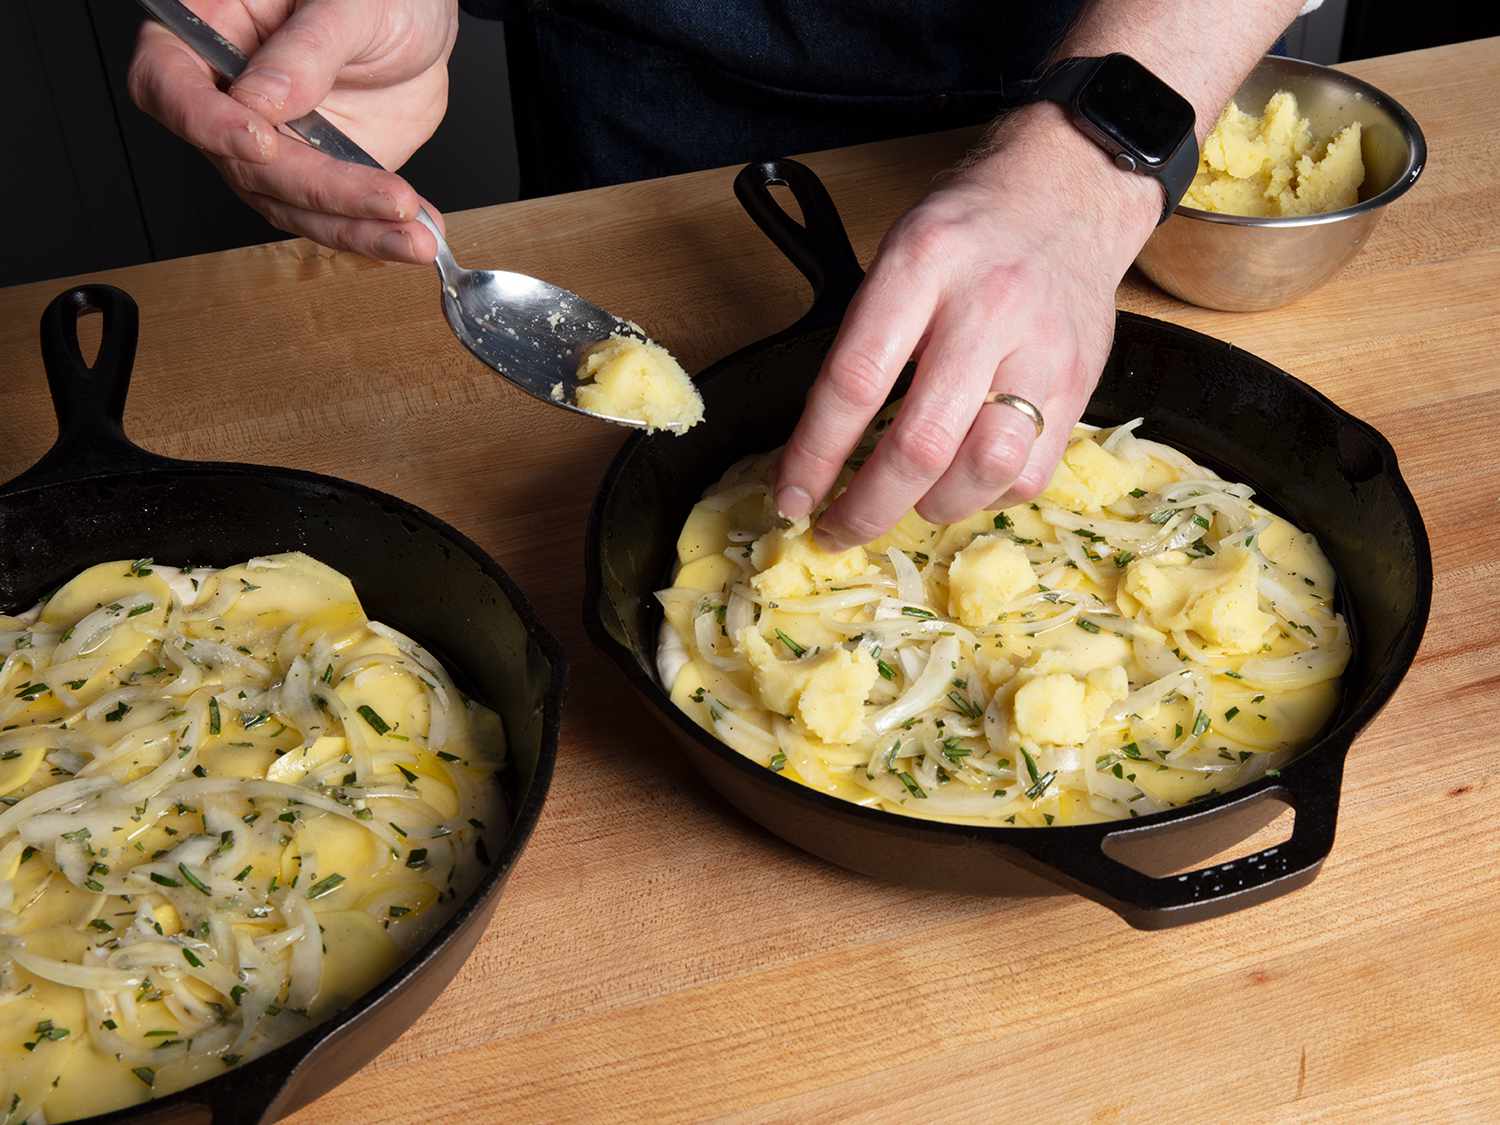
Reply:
x=628, y=378
x=1265, y=166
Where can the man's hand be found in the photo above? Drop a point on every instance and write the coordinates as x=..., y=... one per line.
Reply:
x=1003, y=278
x=378, y=69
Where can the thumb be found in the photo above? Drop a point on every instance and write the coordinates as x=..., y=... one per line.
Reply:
x=292, y=71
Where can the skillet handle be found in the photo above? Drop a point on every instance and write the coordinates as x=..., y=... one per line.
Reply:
x=1310, y=786
x=90, y=401
x=819, y=247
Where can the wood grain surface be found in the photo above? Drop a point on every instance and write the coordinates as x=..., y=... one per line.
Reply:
x=656, y=957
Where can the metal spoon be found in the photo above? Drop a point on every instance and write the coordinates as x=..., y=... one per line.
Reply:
x=532, y=333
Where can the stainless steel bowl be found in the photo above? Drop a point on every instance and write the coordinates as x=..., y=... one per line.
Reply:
x=1238, y=263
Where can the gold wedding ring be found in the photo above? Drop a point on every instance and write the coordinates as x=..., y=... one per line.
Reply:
x=1003, y=398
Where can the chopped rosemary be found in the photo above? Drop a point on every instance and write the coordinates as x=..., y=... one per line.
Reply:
x=965, y=706
x=196, y=883
x=324, y=886
x=371, y=716
x=797, y=650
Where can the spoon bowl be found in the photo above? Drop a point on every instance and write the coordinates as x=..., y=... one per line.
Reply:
x=533, y=333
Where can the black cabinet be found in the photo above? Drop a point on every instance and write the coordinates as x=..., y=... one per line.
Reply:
x=91, y=183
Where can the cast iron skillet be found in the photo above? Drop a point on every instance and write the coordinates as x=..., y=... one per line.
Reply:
x=96, y=496
x=1327, y=471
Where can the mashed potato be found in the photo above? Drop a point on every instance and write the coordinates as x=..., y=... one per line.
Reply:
x=1266, y=165
x=627, y=378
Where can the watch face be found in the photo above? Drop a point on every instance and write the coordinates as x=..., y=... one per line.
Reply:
x=1135, y=109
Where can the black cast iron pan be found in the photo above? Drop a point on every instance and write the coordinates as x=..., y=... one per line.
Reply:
x=1327, y=471
x=96, y=496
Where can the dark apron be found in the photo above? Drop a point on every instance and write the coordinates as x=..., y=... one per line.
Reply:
x=606, y=91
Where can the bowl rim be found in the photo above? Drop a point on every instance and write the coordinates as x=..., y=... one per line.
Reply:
x=1416, y=159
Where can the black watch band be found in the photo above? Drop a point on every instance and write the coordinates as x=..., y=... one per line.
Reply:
x=1066, y=81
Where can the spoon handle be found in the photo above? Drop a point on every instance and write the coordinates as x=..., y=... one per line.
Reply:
x=229, y=62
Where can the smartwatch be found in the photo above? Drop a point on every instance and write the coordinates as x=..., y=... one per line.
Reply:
x=1143, y=124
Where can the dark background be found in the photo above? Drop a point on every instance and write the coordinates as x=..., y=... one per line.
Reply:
x=91, y=183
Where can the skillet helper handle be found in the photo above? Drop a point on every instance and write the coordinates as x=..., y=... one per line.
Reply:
x=819, y=246
x=1310, y=786
x=89, y=400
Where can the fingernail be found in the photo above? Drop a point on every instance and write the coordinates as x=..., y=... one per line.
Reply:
x=793, y=503
x=382, y=205
x=395, y=246
x=270, y=85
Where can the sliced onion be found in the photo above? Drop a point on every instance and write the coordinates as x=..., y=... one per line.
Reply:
x=1075, y=552
x=813, y=603
x=1198, y=654
x=307, y=953
x=744, y=736
x=671, y=655
x=706, y=636
x=54, y=797
x=1036, y=625
x=740, y=612
x=438, y=721
x=252, y=787
x=1300, y=669
x=925, y=690
x=1174, y=458
x=93, y=629
x=1119, y=434
x=75, y=975
x=909, y=587
x=1116, y=531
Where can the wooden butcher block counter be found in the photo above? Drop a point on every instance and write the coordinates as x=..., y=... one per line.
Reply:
x=656, y=956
